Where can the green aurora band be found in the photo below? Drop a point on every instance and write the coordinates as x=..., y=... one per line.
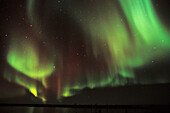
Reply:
x=24, y=57
x=133, y=41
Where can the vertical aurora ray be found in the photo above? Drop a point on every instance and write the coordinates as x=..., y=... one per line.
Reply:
x=30, y=4
x=143, y=20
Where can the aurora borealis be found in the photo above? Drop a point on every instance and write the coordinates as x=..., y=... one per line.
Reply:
x=25, y=60
x=62, y=47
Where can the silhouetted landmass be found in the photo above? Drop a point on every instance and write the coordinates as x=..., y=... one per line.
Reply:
x=123, y=95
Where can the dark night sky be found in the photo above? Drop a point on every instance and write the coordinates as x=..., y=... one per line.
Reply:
x=66, y=37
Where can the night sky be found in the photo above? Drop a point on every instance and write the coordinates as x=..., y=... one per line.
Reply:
x=69, y=51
